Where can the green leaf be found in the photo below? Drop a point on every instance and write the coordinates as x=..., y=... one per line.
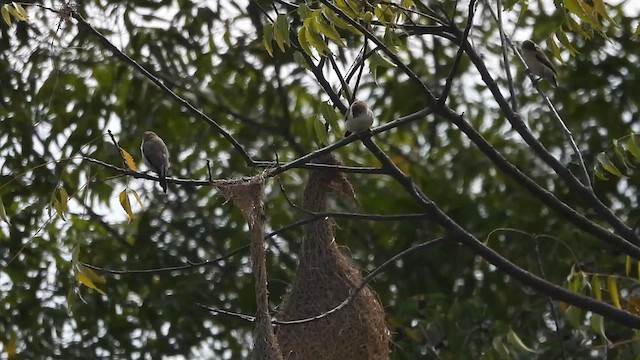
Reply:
x=633, y=147
x=304, y=11
x=330, y=116
x=606, y=163
x=3, y=213
x=328, y=31
x=515, y=340
x=600, y=9
x=574, y=316
x=389, y=39
x=500, y=347
x=267, y=38
x=281, y=32
x=566, y=43
x=621, y=154
x=304, y=43
x=64, y=198
x=315, y=39
x=320, y=132
x=335, y=20
x=597, y=324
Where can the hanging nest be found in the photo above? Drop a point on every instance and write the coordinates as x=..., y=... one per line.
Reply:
x=247, y=195
x=326, y=277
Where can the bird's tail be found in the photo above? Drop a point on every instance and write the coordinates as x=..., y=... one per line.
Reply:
x=163, y=179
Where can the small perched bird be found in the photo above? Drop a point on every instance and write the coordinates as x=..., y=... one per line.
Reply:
x=359, y=117
x=538, y=62
x=156, y=156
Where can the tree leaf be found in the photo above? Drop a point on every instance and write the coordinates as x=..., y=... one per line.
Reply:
x=84, y=280
x=5, y=14
x=128, y=159
x=267, y=38
x=330, y=116
x=19, y=12
x=304, y=43
x=606, y=163
x=281, y=32
x=3, y=213
x=320, y=132
x=597, y=324
x=633, y=147
x=612, y=285
x=126, y=205
x=135, y=194
x=64, y=199
x=515, y=340
x=91, y=274
x=22, y=12
x=595, y=286
x=328, y=31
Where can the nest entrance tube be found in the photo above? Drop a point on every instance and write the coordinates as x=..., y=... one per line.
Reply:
x=325, y=277
x=248, y=197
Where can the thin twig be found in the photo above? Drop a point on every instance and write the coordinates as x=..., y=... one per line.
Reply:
x=459, y=53
x=197, y=113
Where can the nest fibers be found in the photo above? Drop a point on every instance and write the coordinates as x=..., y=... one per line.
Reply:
x=325, y=277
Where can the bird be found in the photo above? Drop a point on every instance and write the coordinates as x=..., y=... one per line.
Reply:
x=156, y=156
x=538, y=62
x=359, y=117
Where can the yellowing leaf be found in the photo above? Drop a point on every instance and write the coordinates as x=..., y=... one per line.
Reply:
x=5, y=14
x=595, y=285
x=84, y=280
x=633, y=305
x=11, y=347
x=126, y=205
x=606, y=163
x=3, y=213
x=627, y=266
x=128, y=159
x=135, y=194
x=612, y=285
x=91, y=274
x=22, y=11
x=14, y=13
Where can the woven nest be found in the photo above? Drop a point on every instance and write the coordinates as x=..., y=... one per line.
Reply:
x=325, y=277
